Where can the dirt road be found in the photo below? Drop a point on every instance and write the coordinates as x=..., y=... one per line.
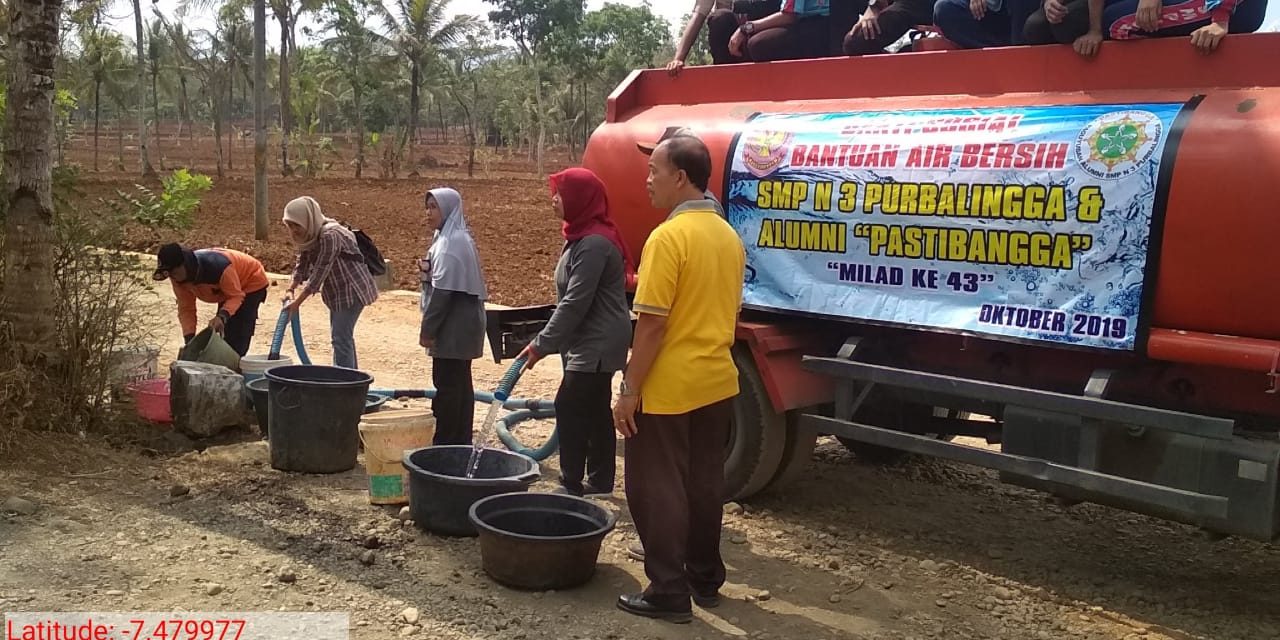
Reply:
x=922, y=550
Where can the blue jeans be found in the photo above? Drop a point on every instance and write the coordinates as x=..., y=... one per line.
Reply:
x=342, y=328
x=996, y=29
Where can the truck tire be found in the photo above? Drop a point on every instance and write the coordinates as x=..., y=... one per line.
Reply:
x=757, y=438
x=797, y=455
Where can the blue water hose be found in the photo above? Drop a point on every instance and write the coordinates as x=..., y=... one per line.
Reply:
x=522, y=408
x=277, y=338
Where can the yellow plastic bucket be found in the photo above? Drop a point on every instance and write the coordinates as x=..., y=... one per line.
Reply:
x=385, y=440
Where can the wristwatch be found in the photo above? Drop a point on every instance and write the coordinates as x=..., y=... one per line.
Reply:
x=748, y=27
x=625, y=389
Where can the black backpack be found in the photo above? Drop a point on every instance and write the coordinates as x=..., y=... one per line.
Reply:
x=372, y=257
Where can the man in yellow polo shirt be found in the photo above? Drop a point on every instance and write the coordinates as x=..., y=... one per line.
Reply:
x=676, y=403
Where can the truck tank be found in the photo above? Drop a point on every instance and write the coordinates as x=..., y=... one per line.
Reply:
x=1099, y=281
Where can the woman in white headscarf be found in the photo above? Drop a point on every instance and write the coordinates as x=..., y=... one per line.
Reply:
x=330, y=262
x=453, y=295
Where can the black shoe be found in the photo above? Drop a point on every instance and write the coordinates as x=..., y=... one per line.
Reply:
x=709, y=601
x=590, y=491
x=637, y=605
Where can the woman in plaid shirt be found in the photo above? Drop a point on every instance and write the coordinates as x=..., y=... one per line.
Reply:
x=329, y=262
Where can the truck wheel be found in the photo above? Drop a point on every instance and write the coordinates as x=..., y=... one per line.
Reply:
x=757, y=438
x=896, y=416
x=797, y=455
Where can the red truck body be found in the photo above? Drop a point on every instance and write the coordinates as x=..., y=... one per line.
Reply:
x=1183, y=425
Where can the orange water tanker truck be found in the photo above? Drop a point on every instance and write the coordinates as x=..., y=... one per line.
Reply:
x=1073, y=259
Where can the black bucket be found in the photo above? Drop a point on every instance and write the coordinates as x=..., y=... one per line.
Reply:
x=440, y=494
x=540, y=540
x=259, y=396
x=373, y=402
x=315, y=416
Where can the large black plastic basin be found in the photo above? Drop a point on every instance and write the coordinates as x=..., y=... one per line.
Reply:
x=540, y=540
x=440, y=494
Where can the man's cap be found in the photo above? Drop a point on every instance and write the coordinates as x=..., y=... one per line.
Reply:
x=169, y=256
x=671, y=132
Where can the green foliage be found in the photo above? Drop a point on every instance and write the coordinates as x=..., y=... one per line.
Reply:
x=313, y=153
x=102, y=314
x=354, y=64
x=623, y=38
x=531, y=23
x=173, y=207
x=64, y=102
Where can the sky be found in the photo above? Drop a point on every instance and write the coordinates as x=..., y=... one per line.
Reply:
x=674, y=11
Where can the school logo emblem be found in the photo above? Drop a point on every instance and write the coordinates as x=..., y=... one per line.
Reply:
x=764, y=151
x=1118, y=144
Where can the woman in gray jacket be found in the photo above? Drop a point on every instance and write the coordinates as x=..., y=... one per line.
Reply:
x=453, y=295
x=590, y=329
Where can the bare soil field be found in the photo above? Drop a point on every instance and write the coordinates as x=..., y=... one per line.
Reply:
x=509, y=209
x=925, y=549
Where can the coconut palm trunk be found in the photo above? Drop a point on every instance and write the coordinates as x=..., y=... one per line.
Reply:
x=147, y=170
x=28, y=303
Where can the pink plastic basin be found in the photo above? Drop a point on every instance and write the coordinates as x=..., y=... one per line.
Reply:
x=151, y=398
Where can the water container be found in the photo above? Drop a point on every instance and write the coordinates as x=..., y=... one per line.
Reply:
x=258, y=394
x=540, y=541
x=386, y=437
x=255, y=365
x=151, y=398
x=314, y=412
x=440, y=494
x=209, y=348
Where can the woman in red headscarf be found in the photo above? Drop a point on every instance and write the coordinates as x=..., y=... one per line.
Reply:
x=590, y=329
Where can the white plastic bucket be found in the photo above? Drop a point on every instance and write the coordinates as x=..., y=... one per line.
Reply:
x=255, y=366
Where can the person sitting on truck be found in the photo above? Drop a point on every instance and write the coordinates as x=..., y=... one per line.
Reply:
x=725, y=18
x=701, y=10
x=590, y=329
x=799, y=29
x=452, y=332
x=884, y=23
x=1074, y=22
x=1086, y=23
x=235, y=281
x=974, y=24
x=675, y=406
x=331, y=264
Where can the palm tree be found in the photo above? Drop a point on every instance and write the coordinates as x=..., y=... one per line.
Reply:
x=122, y=92
x=421, y=35
x=179, y=41
x=354, y=48
x=147, y=170
x=209, y=61
x=157, y=44
x=107, y=60
x=261, y=227
x=286, y=13
x=236, y=34
x=27, y=304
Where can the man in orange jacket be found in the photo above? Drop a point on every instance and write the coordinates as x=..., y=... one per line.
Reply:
x=235, y=281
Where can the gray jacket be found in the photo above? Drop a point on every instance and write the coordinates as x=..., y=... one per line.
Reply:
x=591, y=326
x=455, y=320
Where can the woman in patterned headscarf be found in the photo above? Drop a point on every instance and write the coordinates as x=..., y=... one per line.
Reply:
x=329, y=262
